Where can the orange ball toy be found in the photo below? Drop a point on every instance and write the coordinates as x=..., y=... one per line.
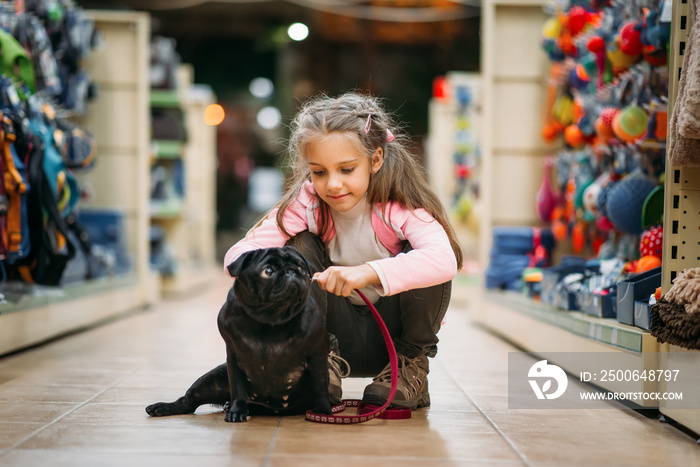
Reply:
x=574, y=137
x=560, y=227
x=551, y=129
x=604, y=132
x=630, y=124
x=646, y=263
x=578, y=238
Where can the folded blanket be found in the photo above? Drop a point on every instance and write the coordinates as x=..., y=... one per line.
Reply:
x=675, y=318
x=685, y=290
x=671, y=323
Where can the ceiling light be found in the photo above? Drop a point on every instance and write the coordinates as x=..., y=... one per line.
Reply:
x=213, y=114
x=298, y=31
x=269, y=117
x=262, y=88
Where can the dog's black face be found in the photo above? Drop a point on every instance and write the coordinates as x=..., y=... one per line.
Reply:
x=272, y=284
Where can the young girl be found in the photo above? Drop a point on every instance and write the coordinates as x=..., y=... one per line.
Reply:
x=359, y=208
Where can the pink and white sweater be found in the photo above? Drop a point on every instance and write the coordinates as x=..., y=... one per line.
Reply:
x=430, y=262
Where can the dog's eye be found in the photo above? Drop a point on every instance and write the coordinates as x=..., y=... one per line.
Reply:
x=267, y=272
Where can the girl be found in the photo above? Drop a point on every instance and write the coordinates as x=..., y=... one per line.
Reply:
x=359, y=208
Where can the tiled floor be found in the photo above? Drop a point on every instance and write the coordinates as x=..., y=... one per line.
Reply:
x=79, y=401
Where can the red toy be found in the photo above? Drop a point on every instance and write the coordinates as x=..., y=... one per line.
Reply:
x=651, y=242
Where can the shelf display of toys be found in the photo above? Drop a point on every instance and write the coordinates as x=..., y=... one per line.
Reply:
x=602, y=193
x=466, y=156
x=45, y=236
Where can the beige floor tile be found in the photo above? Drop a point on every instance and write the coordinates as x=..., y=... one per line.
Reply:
x=80, y=401
x=143, y=396
x=612, y=447
x=54, y=458
x=11, y=391
x=426, y=419
x=385, y=438
x=194, y=439
x=357, y=460
x=13, y=433
x=70, y=375
x=488, y=403
x=21, y=411
x=135, y=415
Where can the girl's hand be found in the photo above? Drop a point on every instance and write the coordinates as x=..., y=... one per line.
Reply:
x=342, y=280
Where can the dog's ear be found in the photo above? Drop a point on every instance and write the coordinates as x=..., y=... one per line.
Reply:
x=307, y=265
x=237, y=266
x=302, y=260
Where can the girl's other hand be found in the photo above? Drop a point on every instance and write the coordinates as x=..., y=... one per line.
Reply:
x=342, y=280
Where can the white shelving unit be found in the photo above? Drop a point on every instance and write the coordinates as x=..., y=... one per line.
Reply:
x=189, y=226
x=681, y=249
x=513, y=83
x=119, y=180
x=454, y=136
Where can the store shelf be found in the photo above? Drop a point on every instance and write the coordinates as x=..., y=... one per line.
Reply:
x=118, y=119
x=512, y=149
x=687, y=363
x=167, y=149
x=164, y=98
x=188, y=280
x=50, y=312
x=681, y=249
x=166, y=210
x=557, y=335
x=609, y=333
x=188, y=220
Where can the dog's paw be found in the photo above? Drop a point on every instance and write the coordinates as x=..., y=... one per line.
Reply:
x=323, y=407
x=236, y=417
x=160, y=409
x=236, y=412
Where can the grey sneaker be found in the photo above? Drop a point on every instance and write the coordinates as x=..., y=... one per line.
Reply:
x=338, y=368
x=411, y=388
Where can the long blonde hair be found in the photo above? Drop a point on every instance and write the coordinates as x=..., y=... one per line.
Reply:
x=401, y=178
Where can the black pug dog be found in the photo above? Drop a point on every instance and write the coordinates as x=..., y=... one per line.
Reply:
x=276, y=343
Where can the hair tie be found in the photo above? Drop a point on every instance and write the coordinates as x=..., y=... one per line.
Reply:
x=369, y=123
x=389, y=136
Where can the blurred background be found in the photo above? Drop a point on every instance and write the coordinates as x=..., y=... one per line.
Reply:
x=247, y=53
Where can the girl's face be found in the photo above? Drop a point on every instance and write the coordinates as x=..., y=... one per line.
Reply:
x=339, y=171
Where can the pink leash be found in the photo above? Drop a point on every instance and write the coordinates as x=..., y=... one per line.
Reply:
x=368, y=412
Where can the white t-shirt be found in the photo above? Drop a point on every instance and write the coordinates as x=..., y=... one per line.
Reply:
x=355, y=243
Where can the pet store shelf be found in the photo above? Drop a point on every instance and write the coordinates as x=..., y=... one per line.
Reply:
x=118, y=119
x=512, y=149
x=166, y=210
x=190, y=280
x=166, y=149
x=597, y=333
x=680, y=241
x=49, y=312
x=187, y=220
x=545, y=330
x=687, y=363
x=164, y=98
